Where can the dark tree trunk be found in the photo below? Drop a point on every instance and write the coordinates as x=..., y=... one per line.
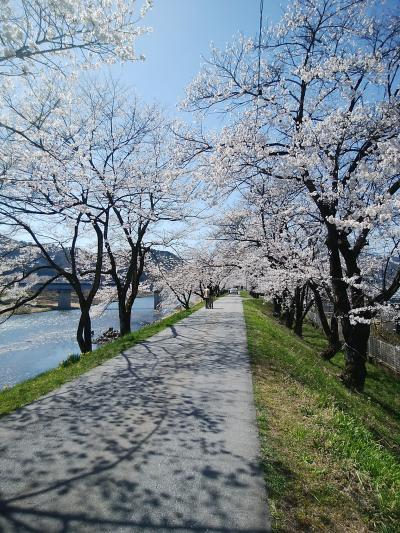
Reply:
x=298, y=313
x=355, y=335
x=84, y=332
x=125, y=308
x=331, y=330
x=287, y=317
x=335, y=344
x=298, y=325
x=125, y=314
x=277, y=303
x=128, y=290
x=185, y=301
x=356, y=346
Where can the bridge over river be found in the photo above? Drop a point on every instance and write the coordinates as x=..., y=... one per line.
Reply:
x=64, y=291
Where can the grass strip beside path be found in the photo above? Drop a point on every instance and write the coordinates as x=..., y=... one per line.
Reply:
x=26, y=392
x=331, y=457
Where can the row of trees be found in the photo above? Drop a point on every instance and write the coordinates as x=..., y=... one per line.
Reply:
x=97, y=181
x=308, y=160
x=310, y=155
x=184, y=278
x=90, y=187
x=85, y=169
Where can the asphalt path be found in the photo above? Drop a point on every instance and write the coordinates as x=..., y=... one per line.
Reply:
x=159, y=439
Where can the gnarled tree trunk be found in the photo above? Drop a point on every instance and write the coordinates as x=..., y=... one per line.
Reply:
x=355, y=335
x=84, y=331
x=125, y=315
x=334, y=342
x=287, y=317
x=356, y=345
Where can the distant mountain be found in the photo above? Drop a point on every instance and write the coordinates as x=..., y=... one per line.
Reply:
x=58, y=255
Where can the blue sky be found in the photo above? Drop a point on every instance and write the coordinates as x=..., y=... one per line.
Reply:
x=181, y=37
x=182, y=32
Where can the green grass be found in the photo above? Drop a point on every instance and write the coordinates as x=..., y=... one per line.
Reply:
x=331, y=457
x=32, y=389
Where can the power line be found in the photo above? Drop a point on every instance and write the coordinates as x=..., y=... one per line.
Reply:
x=259, y=90
x=259, y=45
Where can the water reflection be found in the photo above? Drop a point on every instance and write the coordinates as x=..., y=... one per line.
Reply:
x=31, y=344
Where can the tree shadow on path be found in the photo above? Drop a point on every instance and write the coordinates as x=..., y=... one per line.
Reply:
x=159, y=439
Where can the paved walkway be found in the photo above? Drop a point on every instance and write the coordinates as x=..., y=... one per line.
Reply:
x=159, y=439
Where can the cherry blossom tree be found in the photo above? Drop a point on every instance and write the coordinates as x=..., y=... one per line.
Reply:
x=51, y=197
x=176, y=281
x=50, y=200
x=315, y=102
x=36, y=34
x=148, y=196
x=278, y=256
x=99, y=182
x=180, y=279
x=41, y=43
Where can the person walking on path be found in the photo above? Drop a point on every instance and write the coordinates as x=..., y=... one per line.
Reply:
x=207, y=297
x=211, y=299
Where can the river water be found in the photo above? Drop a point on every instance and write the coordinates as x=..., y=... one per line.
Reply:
x=31, y=344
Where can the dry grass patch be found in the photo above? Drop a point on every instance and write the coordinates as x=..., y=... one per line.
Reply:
x=314, y=493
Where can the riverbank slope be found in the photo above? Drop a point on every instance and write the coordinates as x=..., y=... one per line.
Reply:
x=331, y=457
